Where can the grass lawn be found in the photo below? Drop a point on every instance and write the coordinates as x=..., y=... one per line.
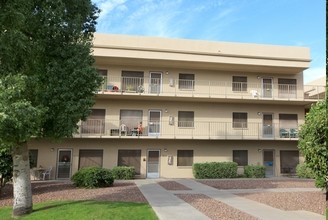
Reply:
x=87, y=210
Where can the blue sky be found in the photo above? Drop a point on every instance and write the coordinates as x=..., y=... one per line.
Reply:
x=278, y=22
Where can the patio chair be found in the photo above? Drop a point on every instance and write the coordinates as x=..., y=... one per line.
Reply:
x=283, y=133
x=293, y=133
x=47, y=172
x=124, y=130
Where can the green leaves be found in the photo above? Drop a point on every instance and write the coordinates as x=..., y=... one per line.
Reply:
x=312, y=142
x=47, y=78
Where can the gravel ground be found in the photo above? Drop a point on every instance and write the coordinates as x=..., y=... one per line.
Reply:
x=210, y=207
x=291, y=201
x=172, y=185
x=44, y=191
x=259, y=183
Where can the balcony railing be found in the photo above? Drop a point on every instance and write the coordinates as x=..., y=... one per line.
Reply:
x=210, y=89
x=195, y=130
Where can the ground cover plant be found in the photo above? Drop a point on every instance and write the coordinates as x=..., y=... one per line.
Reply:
x=85, y=210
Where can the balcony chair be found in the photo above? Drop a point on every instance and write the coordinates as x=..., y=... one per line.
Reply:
x=283, y=133
x=293, y=133
x=124, y=129
x=47, y=172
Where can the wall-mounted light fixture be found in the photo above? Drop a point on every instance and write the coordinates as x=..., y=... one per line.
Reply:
x=52, y=149
x=165, y=149
x=167, y=72
x=259, y=113
x=166, y=111
x=259, y=150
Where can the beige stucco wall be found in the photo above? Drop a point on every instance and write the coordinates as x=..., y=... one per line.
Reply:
x=196, y=53
x=204, y=151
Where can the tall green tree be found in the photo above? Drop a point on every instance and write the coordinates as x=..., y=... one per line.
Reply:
x=313, y=143
x=47, y=78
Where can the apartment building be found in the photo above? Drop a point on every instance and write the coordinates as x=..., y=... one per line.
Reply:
x=168, y=103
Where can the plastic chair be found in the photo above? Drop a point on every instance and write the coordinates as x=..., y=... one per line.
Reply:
x=47, y=172
x=123, y=129
x=293, y=133
x=283, y=133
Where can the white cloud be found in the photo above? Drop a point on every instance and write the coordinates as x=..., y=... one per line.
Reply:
x=313, y=74
x=108, y=6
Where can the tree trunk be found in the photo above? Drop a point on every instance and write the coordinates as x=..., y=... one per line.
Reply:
x=21, y=181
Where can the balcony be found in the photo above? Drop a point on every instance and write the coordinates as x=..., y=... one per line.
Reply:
x=210, y=89
x=172, y=129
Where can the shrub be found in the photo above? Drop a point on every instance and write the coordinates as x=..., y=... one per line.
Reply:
x=215, y=170
x=254, y=171
x=93, y=177
x=123, y=173
x=303, y=171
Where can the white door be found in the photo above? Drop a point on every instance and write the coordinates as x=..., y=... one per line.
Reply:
x=64, y=163
x=267, y=87
x=153, y=163
x=267, y=125
x=154, y=123
x=155, y=84
x=268, y=162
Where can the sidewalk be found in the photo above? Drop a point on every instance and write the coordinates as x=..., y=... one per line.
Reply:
x=169, y=207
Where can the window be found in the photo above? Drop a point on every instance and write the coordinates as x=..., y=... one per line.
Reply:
x=185, y=119
x=103, y=75
x=131, y=119
x=240, y=157
x=185, y=157
x=287, y=88
x=95, y=124
x=186, y=81
x=288, y=161
x=132, y=81
x=239, y=83
x=33, y=157
x=130, y=158
x=90, y=158
x=288, y=121
x=239, y=120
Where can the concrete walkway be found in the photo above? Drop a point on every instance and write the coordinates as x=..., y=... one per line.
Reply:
x=167, y=206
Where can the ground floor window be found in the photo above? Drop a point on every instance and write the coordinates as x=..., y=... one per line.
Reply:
x=288, y=161
x=185, y=157
x=90, y=158
x=240, y=157
x=33, y=157
x=130, y=158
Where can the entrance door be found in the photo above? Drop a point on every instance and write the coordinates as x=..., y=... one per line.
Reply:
x=154, y=125
x=64, y=163
x=267, y=87
x=153, y=164
x=267, y=125
x=155, y=84
x=268, y=162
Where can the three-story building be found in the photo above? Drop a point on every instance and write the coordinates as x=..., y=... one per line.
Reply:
x=168, y=103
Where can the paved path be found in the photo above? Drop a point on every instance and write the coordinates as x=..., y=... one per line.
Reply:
x=169, y=207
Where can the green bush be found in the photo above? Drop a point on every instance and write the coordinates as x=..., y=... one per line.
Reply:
x=254, y=171
x=93, y=177
x=303, y=171
x=215, y=170
x=123, y=173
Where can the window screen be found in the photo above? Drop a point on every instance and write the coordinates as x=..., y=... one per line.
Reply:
x=239, y=83
x=185, y=157
x=130, y=158
x=239, y=120
x=186, y=81
x=240, y=157
x=185, y=119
